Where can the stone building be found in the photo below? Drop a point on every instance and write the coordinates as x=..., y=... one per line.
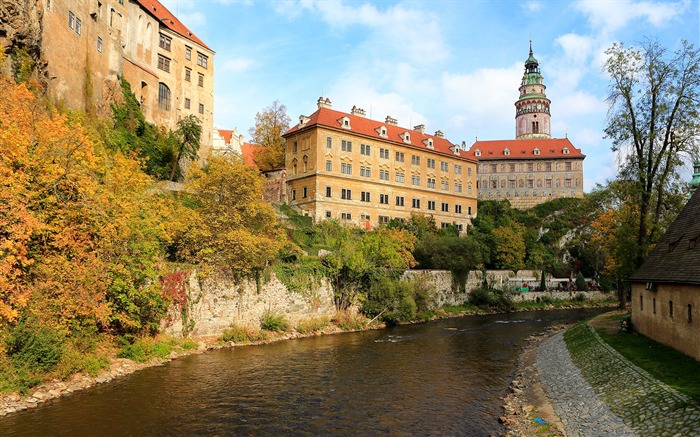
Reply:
x=666, y=288
x=83, y=48
x=534, y=167
x=366, y=172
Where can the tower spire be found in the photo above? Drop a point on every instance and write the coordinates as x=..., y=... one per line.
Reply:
x=532, y=108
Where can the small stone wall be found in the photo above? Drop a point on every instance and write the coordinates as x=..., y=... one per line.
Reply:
x=219, y=302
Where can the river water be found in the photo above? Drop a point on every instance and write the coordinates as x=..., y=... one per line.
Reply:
x=438, y=378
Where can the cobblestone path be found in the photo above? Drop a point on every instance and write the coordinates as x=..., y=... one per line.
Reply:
x=622, y=400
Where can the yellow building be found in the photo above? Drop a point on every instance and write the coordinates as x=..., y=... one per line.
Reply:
x=85, y=48
x=365, y=172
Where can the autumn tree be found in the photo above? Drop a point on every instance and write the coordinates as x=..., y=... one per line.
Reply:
x=187, y=135
x=510, y=247
x=653, y=122
x=234, y=229
x=270, y=125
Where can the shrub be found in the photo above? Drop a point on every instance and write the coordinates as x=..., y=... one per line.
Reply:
x=274, y=322
x=349, y=320
x=500, y=300
x=313, y=324
x=146, y=348
x=37, y=348
x=243, y=334
x=580, y=297
x=581, y=284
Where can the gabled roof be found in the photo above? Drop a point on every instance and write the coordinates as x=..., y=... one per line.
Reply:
x=248, y=152
x=371, y=128
x=169, y=20
x=676, y=257
x=549, y=148
x=226, y=135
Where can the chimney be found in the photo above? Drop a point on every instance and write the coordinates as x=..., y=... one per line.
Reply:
x=324, y=103
x=358, y=111
x=391, y=121
x=439, y=134
x=420, y=128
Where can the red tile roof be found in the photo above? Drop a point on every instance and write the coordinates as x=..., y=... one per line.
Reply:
x=248, y=152
x=370, y=128
x=524, y=149
x=169, y=20
x=226, y=135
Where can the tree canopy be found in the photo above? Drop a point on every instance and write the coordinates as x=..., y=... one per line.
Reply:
x=270, y=124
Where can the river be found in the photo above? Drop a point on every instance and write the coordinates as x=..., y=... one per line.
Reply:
x=439, y=378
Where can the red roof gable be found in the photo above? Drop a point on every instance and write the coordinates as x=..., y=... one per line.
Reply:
x=371, y=128
x=248, y=152
x=226, y=135
x=169, y=20
x=524, y=149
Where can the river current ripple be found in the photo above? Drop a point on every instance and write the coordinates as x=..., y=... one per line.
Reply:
x=438, y=378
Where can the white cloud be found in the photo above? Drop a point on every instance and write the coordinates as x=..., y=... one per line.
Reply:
x=238, y=64
x=610, y=16
x=532, y=6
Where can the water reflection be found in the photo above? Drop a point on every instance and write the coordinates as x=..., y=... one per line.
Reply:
x=438, y=378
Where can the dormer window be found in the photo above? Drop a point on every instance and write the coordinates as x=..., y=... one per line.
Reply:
x=381, y=130
x=429, y=143
x=506, y=151
x=536, y=151
x=477, y=152
x=566, y=150
x=407, y=137
x=345, y=122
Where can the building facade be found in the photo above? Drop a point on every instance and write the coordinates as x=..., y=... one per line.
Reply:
x=534, y=167
x=365, y=172
x=666, y=288
x=87, y=46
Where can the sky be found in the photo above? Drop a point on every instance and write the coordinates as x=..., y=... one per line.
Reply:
x=451, y=65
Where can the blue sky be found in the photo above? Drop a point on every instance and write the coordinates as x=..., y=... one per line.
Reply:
x=452, y=65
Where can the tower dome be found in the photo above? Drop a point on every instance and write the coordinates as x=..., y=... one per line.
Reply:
x=532, y=119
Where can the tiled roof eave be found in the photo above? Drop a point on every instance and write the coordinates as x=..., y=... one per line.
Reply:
x=642, y=279
x=524, y=158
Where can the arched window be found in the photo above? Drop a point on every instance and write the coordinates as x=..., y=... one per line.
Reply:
x=163, y=96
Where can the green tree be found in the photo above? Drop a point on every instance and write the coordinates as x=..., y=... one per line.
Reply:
x=188, y=134
x=270, y=124
x=653, y=120
x=510, y=247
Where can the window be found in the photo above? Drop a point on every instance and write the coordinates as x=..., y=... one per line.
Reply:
x=494, y=184
x=511, y=183
x=71, y=20
x=346, y=168
x=400, y=177
x=304, y=192
x=187, y=103
x=164, y=42
x=328, y=214
x=329, y=142
x=201, y=108
x=202, y=60
x=445, y=207
x=415, y=180
x=346, y=194
x=200, y=80
x=670, y=308
x=384, y=199
x=529, y=167
x=458, y=169
x=99, y=44
x=346, y=146
x=653, y=305
x=415, y=160
x=458, y=188
x=78, y=26
x=163, y=96
x=458, y=209
x=328, y=191
x=567, y=166
x=469, y=189
x=469, y=171
x=444, y=185
x=364, y=149
x=294, y=147
x=444, y=166
x=399, y=200
x=431, y=182
x=494, y=168
x=548, y=166
x=383, y=153
x=399, y=157
x=188, y=74
x=365, y=196
x=346, y=216
x=383, y=219
x=294, y=194
x=548, y=183
x=641, y=303
x=163, y=63
x=431, y=205
x=512, y=168
x=415, y=203
x=365, y=172
x=384, y=175
x=329, y=165
x=188, y=53
x=690, y=313
x=469, y=210
x=431, y=163
x=567, y=183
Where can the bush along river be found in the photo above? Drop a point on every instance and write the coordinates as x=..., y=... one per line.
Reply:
x=439, y=378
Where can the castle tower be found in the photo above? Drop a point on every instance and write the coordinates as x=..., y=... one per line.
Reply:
x=532, y=108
